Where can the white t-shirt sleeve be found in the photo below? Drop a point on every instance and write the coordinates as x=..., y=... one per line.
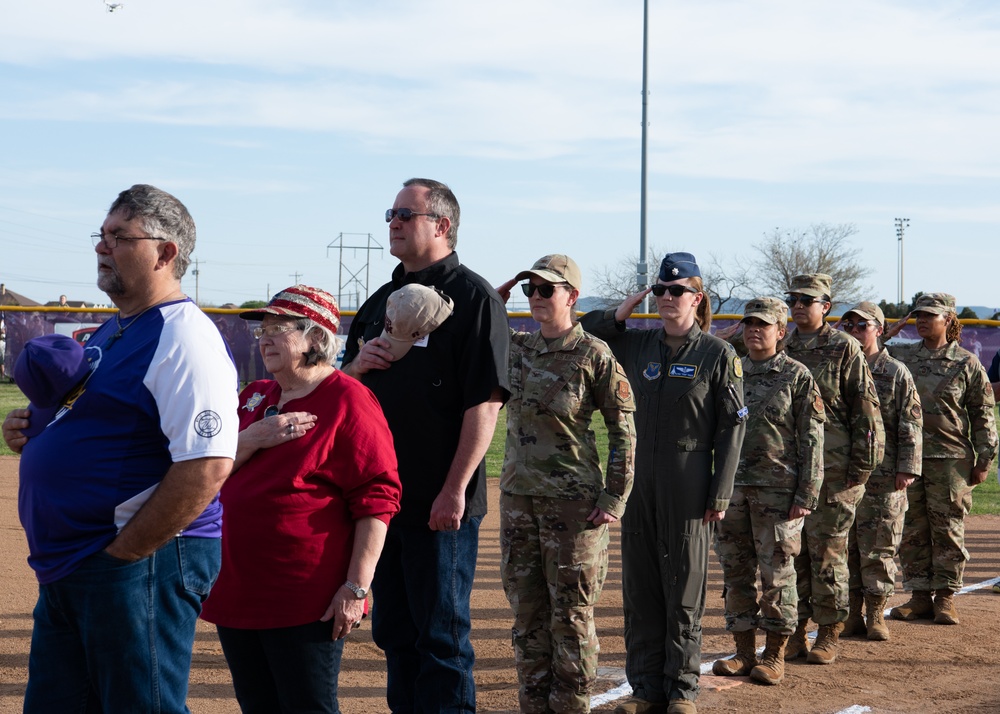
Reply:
x=193, y=381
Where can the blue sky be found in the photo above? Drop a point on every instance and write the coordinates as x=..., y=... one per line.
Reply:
x=284, y=124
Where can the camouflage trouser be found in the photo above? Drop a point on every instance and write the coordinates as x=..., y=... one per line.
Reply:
x=875, y=537
x=756, y=533
x=933, y=551
x=553, y=563
x=821, y=568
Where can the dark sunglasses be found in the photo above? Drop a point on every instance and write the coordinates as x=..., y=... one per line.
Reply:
x=674, y=290
x=545, y=290
x=860, y=325
x=405, y=214
x=804, y=300
x=271, y=411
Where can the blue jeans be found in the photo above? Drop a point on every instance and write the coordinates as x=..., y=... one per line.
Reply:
x=285, y=669
x=114, y=636
x=421, y=619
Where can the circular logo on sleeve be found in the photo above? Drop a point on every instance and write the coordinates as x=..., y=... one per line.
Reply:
x=207, y=424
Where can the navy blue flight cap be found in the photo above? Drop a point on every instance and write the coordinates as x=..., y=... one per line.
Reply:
x=678, y=265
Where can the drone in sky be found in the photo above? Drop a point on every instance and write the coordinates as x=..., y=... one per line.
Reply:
x=112, y=6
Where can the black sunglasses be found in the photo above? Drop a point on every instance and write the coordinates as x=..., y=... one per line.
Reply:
x=405, y=214
x=544, y=290
x=674, y=290
x=860, y=324
x=804, y=300
x=271, y=411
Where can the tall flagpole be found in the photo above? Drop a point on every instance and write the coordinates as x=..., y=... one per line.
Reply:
x=641, y=267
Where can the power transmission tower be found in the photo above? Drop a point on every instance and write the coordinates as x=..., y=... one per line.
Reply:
x=355, y=285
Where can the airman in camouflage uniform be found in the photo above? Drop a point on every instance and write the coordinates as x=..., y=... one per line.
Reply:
x=778, y=481
x=960, y=443
x=555, y=503
x=878, y=524
x=854, y=439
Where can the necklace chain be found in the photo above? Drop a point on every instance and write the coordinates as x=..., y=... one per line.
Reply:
x=122, y=328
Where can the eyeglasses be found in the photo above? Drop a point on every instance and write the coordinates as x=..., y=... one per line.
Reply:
x=804, y=300
x=850, y=325
x=405, y=214
x=111, y=240
x=674, y=290
x=545, y=290
x=273, y=330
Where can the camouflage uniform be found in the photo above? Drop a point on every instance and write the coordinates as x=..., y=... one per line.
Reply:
x=781, y=464
x=553, y=560
x=959, y=435
x=878, y=524
x=854, y=438
x=689, y=425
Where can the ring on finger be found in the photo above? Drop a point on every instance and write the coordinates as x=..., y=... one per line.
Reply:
x=291, y=429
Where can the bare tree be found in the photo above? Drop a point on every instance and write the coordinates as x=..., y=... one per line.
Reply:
x=727, y=287
x=821, y=248
x=615, y=282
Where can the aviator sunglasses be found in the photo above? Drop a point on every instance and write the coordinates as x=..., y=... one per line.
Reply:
x=545, y=290
x=850, y=325
x=675, y=290
x=405, y=214
x=804, y=300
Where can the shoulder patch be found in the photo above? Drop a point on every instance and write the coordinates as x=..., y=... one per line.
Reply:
x=737, y=367
x=207, y=424
x=818, y=405
x=915, y=412
x=623, y=391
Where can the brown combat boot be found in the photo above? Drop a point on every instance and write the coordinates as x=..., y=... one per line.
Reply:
x=682, y=706
x=798, y=644
x=634, y=705
x=824, y=650
x=944, y=607
x=918, y=607
x=875, y=612
x=745, y=659
x=771, y=669
x=855, y=624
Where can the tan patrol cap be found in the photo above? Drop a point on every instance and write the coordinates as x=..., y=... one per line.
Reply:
x=770, y=310
x=868, y=311
x=812, y=284
x=413, y=312
x=555, y=268
x=937, y=303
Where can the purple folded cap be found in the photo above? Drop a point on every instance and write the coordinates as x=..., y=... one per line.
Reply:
x=46, y=371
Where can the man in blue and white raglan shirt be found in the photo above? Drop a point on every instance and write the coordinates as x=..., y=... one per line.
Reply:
x=119, y=492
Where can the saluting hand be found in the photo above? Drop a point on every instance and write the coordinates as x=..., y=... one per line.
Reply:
x=504, y=290
x=629, y=304
x=895, y=328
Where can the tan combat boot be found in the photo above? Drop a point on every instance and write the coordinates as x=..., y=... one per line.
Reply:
x=682, y=706
x=798, y=644
x=771, y=669
x=944, y=607
x=634, y=705
x=745, y=659
x=875, y=613
x=855, y=624
x=824, y=650
x=918, y=607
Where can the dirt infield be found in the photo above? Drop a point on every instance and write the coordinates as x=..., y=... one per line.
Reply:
x=924, y=667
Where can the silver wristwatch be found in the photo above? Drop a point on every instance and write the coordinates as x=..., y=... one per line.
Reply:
x=359, y=592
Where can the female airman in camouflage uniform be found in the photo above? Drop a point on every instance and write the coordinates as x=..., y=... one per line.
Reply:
x=878, y=523
x=853, y=440
x=777, y=485
x=689, y=424
x=960, y=442
x=555, y=504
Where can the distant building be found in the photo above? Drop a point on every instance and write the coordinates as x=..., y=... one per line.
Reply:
x=9, y=297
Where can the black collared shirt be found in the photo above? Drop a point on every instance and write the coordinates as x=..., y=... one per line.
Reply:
x=426, y=393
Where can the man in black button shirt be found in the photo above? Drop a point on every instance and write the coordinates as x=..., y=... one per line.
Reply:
x=441, y=400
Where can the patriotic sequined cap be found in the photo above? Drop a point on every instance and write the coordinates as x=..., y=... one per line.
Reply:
x=301, y=301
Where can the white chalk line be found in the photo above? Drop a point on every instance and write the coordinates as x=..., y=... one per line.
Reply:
x=624, y=690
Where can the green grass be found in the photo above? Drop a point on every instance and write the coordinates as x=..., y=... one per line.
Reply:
x=985, y=498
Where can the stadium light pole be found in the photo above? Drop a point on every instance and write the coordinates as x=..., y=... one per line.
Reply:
x=901, y=225
x=641, y=266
